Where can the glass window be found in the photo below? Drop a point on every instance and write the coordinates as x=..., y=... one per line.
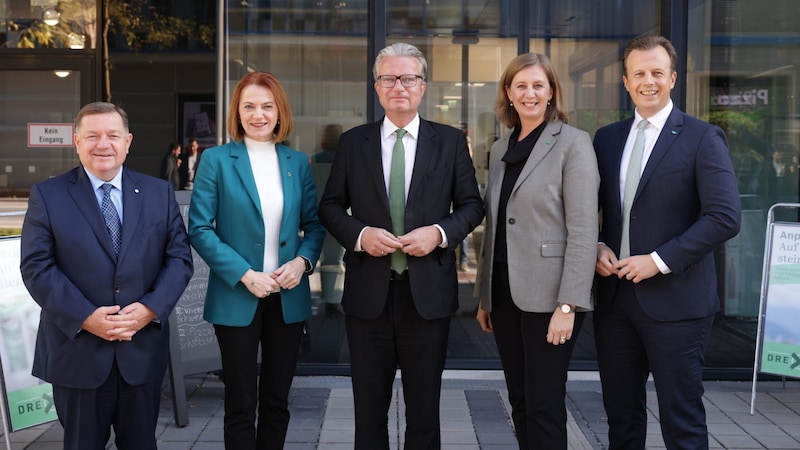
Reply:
x=22, y=94
x=317, y=50
x=68, y=24
x=35, y=141
x=319, y=61
x=742, y=69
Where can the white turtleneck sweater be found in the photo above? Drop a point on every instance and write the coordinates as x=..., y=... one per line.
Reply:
x=267, y=173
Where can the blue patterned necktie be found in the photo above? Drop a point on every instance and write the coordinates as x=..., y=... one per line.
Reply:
x=397, y=197
x=111, y=217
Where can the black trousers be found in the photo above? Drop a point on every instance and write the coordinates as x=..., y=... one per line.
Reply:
x=87, y=415
x=535, y=370
x=247, y=389
x=630, y=346
x=399, y=336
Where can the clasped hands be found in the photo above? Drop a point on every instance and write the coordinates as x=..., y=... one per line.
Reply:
x=287, y=276
x=114, y=323
x=634, y=268
x=419, y=242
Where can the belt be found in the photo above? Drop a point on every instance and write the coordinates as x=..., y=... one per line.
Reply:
x=394, y=276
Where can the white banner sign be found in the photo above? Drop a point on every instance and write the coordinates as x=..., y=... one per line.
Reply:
x=50, y=134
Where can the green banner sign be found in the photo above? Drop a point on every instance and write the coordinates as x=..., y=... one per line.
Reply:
x=29, y=401
x=31, y=406
x=780, y=354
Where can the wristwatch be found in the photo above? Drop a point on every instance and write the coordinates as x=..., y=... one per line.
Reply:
x=566, y=308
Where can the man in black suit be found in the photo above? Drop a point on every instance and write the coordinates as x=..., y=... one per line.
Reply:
x=104, y=252
x=662, y=219
x=401, y=283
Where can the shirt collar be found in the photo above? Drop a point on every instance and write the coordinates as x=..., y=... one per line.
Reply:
x=388, y=128
x=97, y=182
x=658, y=120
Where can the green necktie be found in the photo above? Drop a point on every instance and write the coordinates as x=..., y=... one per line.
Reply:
x=397, y=197
x=631, y=185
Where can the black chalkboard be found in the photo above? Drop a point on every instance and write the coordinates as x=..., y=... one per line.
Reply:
x=193, y=345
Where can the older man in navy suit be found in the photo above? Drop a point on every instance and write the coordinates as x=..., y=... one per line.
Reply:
x=106, y=256
x=669, y=198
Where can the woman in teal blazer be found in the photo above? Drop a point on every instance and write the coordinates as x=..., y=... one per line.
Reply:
x=253, y=220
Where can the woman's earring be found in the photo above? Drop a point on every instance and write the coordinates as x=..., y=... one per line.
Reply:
x=511, y=104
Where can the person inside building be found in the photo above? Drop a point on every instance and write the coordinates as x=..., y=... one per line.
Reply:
x=170, y=166
x=188, y=167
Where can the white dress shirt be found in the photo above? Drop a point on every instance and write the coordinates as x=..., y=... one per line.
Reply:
x=651, y=133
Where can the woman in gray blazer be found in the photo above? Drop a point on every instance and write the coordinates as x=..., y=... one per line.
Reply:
x=535, y=273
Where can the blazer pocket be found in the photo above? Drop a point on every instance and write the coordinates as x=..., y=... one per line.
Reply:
x=353, y=258
x=447, y=256
x=554, y=249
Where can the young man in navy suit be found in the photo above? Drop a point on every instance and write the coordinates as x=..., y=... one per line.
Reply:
x=106, y=255
x=399, y=229
x=656, y=283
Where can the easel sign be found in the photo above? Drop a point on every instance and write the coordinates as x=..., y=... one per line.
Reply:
x=780, y=354
x=193, y=346
x=778, y=338
x=26, y=400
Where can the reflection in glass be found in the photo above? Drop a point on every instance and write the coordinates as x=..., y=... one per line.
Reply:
x=65, y=24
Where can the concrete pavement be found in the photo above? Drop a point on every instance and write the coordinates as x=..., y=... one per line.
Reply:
x=474, y=415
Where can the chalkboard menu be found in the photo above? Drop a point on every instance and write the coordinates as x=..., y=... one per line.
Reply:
x=193, y=345
x=199, y=351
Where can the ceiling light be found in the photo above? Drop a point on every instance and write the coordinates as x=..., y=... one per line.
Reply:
x=76, y=41
x=50, y=16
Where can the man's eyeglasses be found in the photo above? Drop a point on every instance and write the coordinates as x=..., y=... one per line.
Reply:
x=409, y=80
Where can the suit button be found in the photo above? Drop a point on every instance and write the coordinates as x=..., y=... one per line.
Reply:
x=283, y=244
x=512, y=221
x=117, y=289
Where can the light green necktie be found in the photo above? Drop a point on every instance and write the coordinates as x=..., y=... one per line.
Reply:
x=397, y=197
x=632, y=177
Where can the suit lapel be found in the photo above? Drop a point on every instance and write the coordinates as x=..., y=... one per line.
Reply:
x=540, y=149
x=132, y=199
x=86, y=202
x=371, y=155
x=497, y=173
x=620, y=137
x=287, y=165
x=427, y=142
x=665, y=139
x=241, y=165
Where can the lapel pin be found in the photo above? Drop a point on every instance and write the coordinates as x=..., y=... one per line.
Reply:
x=674, y=132
x=136, y=191
x=548, y=142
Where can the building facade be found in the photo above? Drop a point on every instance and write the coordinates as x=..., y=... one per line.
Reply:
x=738, y=68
